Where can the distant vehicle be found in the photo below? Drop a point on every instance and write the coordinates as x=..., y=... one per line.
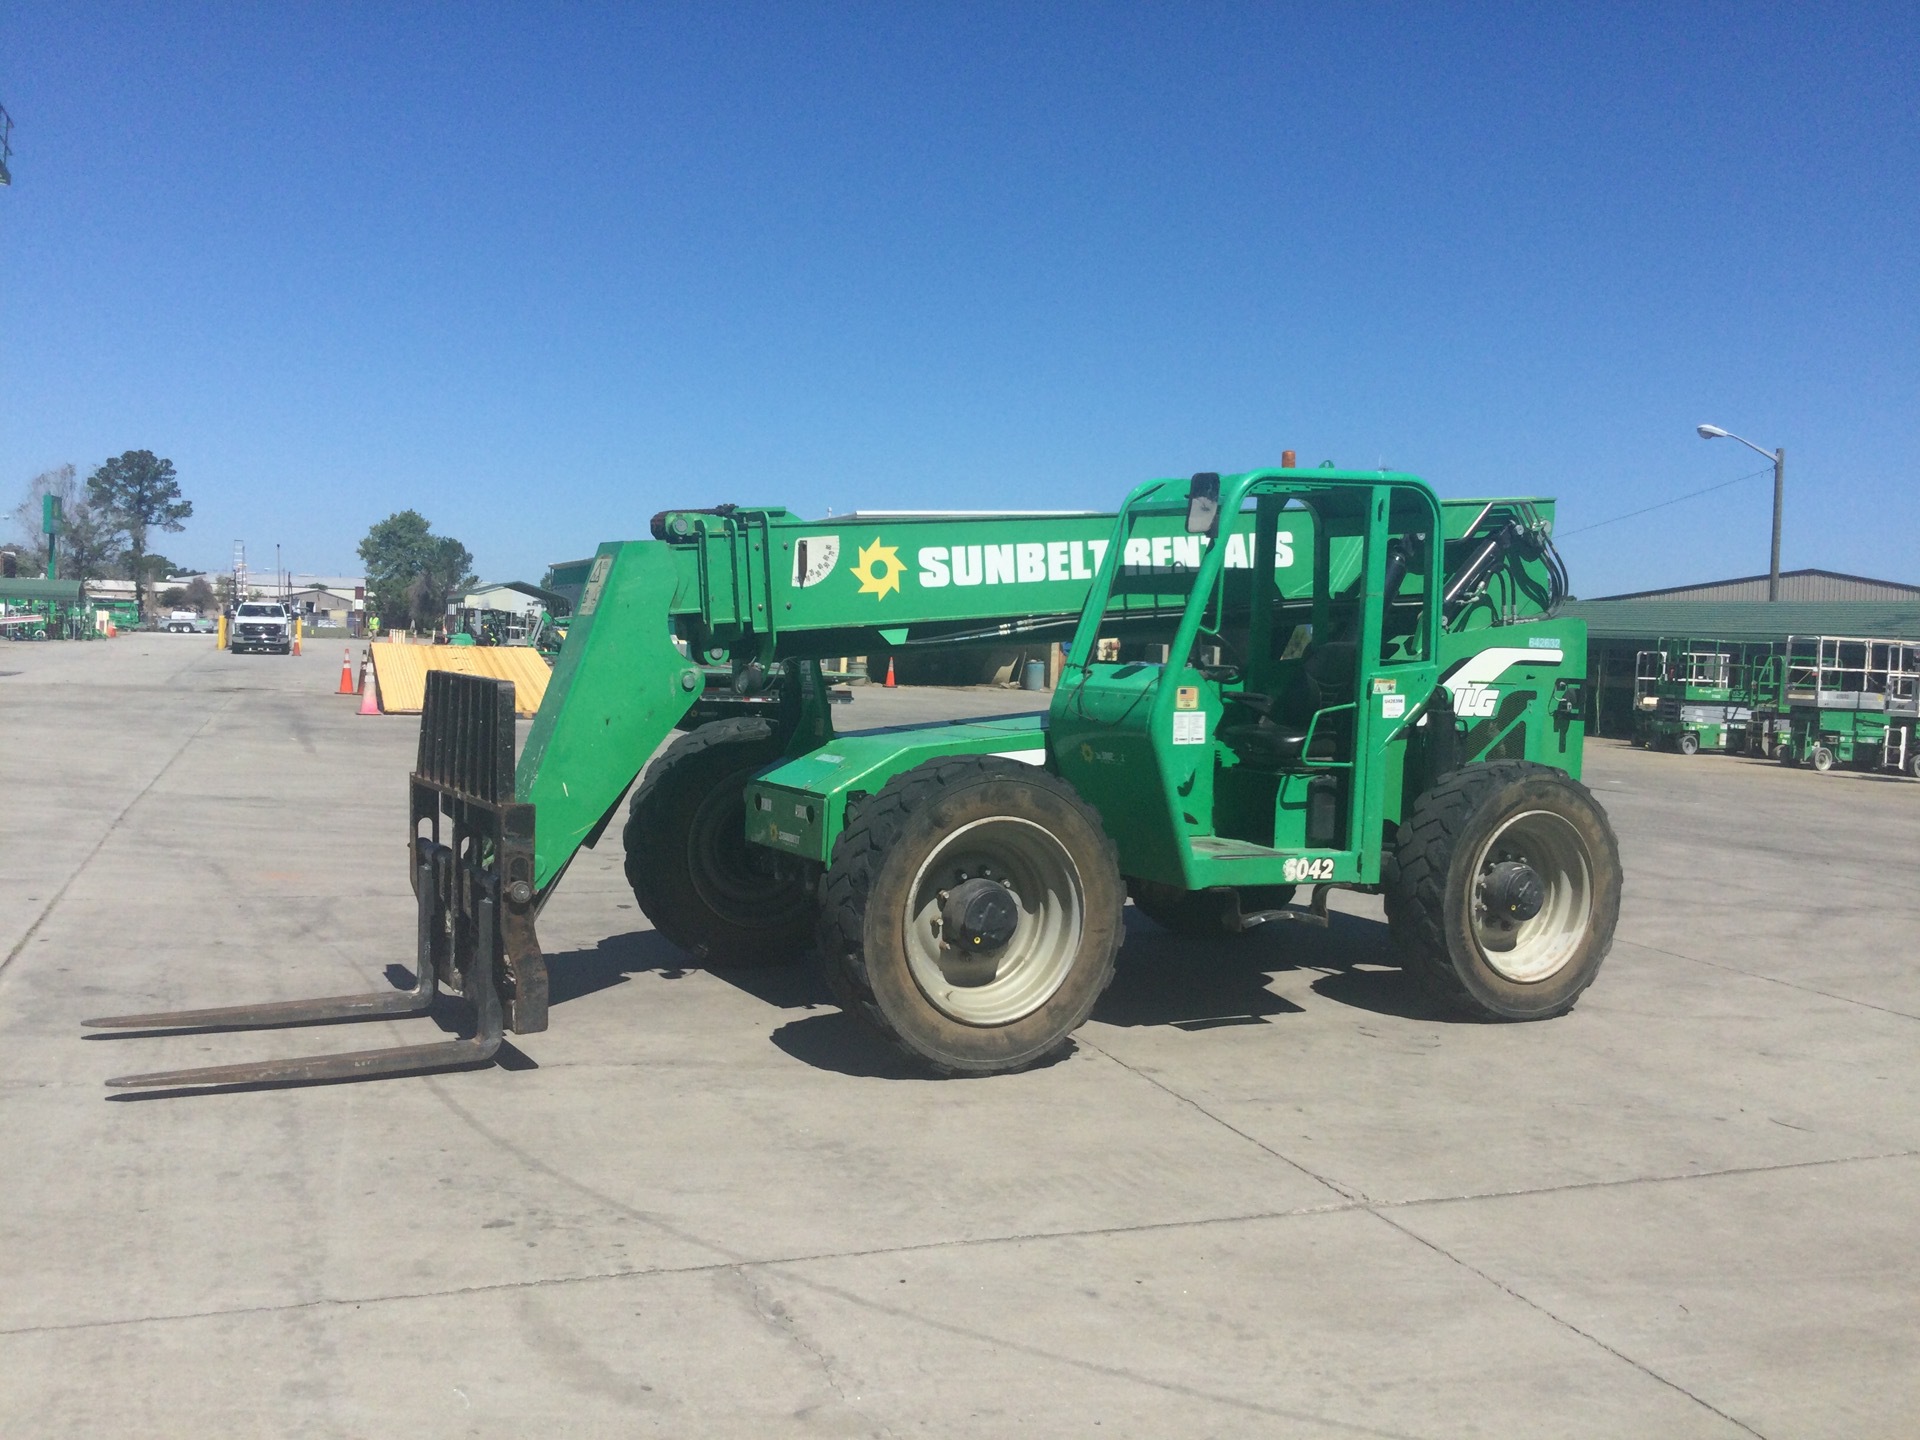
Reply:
x=261, y=625
x=181, y=622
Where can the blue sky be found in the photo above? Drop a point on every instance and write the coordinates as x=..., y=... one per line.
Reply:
x=539, y=272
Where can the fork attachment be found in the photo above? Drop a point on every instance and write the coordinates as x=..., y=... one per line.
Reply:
x=471, y=847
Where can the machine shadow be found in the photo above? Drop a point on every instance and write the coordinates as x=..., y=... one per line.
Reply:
x=1194, y=983
x=1160, y=979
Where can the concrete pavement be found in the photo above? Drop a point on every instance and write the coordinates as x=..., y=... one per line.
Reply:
x=1268, y=1193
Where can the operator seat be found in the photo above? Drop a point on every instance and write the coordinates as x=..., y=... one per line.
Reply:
x=1277, y=737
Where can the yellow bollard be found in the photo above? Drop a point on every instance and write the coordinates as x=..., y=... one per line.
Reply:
x=220, y=634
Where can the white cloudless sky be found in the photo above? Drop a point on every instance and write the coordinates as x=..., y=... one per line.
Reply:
x=540, y=271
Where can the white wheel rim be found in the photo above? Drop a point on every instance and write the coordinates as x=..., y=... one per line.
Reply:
x=1031, y=967
x=1530, y=951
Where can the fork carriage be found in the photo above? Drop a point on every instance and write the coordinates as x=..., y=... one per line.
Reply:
x=475, y=902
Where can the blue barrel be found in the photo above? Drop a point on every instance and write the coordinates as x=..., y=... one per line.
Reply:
x=1034, y=677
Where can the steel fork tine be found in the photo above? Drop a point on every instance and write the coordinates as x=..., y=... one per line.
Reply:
x=361, y=1064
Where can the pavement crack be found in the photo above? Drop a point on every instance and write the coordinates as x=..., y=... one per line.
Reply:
x=1628, y=1181
x=1772, y=980
x=1341, y=1190
x=107, y=834
x=1566, y=1324
x=774, y=1314
x=1095, y=1367
x=1379, y=1209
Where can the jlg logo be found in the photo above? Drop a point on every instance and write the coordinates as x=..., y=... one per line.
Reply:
x=1475, y=701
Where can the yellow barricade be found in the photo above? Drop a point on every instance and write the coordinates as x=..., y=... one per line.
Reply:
x=402, y=671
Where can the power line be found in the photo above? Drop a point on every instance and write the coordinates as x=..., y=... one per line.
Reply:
x=1646, y=509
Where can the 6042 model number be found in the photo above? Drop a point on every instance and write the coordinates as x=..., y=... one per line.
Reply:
x=1298, y=870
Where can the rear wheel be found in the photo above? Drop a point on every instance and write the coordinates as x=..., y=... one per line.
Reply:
x=1822, y=759
x=691, y=867
x=1504, y=889
x=972, y=913
x=1688, y=743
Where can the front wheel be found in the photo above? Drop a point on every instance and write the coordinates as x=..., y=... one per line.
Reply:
x=1822, y=759
x=692, y=870
x=972, y=913
x=1504, y=889
x=1689, y=743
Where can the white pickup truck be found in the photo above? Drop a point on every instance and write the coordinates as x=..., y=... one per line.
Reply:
x=261, y=625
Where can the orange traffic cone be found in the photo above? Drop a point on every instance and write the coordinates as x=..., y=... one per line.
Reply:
x=296, y=639
x=890, y=683
x=370, y=697
x=346, y=671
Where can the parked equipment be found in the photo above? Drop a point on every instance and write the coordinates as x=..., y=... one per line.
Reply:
x=1853, y=702
x=1326, y=679
x=1693, y=695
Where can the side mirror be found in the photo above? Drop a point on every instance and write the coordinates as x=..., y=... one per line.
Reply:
x=1203, y=504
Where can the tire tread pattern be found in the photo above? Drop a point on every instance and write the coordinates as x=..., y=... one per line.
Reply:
x=744, y=730
x=1416, y=869
x=858, y=854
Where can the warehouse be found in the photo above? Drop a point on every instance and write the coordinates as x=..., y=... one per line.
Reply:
x=1812, y=602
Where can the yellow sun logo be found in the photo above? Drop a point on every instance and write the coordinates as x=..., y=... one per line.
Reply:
x=879, y=569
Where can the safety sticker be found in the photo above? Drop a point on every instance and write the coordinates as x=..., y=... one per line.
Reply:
x=596, y=582
x=1187, y=697
x=1392, y=707
x=1189, y=727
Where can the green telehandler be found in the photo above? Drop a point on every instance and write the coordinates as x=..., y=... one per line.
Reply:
x=1276, y=684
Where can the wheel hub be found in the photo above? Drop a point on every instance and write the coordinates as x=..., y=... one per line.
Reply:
x=1513, y=892
x=978, y=917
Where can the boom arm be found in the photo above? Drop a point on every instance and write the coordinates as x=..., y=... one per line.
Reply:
x=753, y=587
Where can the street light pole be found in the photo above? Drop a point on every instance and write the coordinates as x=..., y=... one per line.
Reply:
x=1779, y=495
x=1779, y=458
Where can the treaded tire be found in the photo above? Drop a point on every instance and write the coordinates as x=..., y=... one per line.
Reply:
x=1202, y=913
x=693, y=872
x=887, y=859
x=1434, y=871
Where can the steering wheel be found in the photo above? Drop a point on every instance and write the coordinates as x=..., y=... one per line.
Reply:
x=1219, y=674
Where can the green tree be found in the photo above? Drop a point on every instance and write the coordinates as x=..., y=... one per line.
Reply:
x=137, y=492
x=412, y=572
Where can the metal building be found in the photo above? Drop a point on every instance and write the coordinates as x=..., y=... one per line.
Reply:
x=1812, y=586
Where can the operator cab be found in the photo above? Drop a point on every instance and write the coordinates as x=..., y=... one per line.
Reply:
x=1236, y=656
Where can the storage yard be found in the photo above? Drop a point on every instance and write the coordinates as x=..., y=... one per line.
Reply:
x=1269, y=1190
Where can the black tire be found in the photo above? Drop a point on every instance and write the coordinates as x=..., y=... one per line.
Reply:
x=693, y=872
x=951, y=822
x=1688, y=743
x=1203, y=914
x=1444, y=856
